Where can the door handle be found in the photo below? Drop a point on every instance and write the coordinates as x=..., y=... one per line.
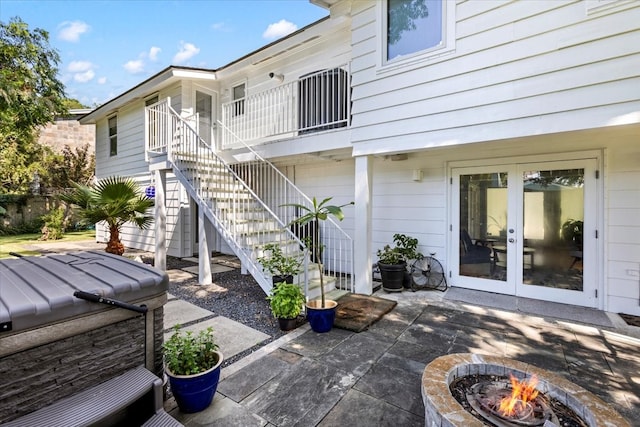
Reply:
x=511, y=240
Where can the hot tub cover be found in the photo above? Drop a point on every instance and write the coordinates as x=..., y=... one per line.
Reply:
x=35, y=291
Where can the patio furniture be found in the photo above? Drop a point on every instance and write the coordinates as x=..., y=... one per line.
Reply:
x=473, y=253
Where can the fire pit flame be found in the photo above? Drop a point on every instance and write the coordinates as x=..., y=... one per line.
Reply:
x=522, y=392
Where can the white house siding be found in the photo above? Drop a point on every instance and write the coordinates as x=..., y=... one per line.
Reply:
x=130, y=161
x=531, y=78
x=518, y=69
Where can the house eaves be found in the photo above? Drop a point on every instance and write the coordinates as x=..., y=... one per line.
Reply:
x=154, y=83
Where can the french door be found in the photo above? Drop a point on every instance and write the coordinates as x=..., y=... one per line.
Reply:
x=527, y=229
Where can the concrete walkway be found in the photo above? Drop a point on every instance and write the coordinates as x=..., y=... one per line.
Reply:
x=372, y=378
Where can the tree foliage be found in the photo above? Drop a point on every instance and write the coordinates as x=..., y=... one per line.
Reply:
x=402, y=14
x=30, y=96
x=72, y=165
x=114, y=200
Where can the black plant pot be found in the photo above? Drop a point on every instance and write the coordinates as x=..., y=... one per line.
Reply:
x=392, y=276
x=287, y=324
x=280, y=279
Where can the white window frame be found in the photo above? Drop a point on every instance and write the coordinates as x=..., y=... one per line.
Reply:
x=112, y=138
x=446, y=46
x=243, y=99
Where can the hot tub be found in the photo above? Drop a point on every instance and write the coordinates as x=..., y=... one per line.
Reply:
x=53, y=344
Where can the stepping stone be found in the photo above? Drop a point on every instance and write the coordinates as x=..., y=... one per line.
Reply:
x=179, y=311
x=215, y=268
x=232, y=337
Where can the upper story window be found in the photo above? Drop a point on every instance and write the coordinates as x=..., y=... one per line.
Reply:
x=113, y=135
x=413, y=26
x=413, y=30
x=238, y=99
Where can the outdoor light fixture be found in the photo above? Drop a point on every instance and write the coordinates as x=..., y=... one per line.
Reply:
x=279, y=77
x=417, y=175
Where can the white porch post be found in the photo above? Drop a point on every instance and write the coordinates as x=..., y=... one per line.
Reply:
x=160, y=258
x=204, y=253
x=362, y=232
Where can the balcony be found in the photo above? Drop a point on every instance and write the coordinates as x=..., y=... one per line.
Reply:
x=316, y=102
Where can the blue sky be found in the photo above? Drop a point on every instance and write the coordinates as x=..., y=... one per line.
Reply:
x=107, y=47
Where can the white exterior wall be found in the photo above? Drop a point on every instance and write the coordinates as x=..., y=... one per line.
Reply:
x=531, y=78
x=130, y=161
x=518, y=69
x=325, y=47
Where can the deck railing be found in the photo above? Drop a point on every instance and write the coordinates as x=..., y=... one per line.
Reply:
x=315, y=102
x=245, y=200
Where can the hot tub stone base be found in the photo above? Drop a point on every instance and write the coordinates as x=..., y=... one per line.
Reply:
x=62, y=359
x=443, y=410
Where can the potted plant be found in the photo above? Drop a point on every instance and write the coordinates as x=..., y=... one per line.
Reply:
x=192, y=363
x=321, y=314
x=392, y=262
x=286, y=302
x=281, y=267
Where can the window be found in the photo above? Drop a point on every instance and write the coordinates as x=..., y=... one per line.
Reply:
x=113, y=135
x=151, y=101
x=413, y=30
x=238, y=99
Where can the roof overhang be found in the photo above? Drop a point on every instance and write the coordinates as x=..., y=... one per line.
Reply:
x=154, y=83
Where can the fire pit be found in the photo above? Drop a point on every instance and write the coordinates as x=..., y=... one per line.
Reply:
x=476, y=390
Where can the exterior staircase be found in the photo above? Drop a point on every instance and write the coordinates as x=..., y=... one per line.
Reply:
x=243, y=210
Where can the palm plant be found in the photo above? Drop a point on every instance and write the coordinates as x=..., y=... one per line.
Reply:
x=114, y=200
x=314, y=214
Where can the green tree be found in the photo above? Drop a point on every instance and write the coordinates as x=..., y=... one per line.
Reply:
x=402, y=17
x=314, y=214
x=114, y=200
x=72, y=165
x=30, y=96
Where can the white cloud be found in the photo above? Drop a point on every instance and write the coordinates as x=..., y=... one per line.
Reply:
x=71, y=30
x=79, y=66
x=82, y=71
x=102, y=80
x=84, y=77
x=134, y=67
x=153, y=53
x=279, y=29
x=186, y=52
x=220, y=26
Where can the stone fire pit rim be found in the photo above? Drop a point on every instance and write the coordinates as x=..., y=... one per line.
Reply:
x=443, y=410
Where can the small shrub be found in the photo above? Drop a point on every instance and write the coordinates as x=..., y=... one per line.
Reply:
x=186, y=353
x=53, y=228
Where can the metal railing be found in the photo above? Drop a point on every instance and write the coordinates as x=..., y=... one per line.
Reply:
x=245, y=201
x=316, y=102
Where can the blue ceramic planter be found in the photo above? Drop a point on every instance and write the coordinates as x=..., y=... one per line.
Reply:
x=321, y=319
x=194, y=393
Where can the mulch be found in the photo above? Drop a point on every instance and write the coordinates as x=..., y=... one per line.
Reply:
x=630, y=319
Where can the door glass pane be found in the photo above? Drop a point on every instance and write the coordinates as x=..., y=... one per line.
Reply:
x=553, y=220
x=483, y=225
x=203, y=109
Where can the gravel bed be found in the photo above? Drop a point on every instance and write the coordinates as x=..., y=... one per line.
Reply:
x=233, y=295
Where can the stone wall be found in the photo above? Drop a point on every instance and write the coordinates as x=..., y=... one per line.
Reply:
x=68, y=132
x=37, y=377
x=27, y=209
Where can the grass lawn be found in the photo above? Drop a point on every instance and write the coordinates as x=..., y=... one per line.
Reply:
x=16, y=243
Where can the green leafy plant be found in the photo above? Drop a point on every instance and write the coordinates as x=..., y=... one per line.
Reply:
x=277, y=263
x=115, y=200
x=314, y=214
x=186, y=353
x=286, y=300
x=405, y=249
x=53, y=224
